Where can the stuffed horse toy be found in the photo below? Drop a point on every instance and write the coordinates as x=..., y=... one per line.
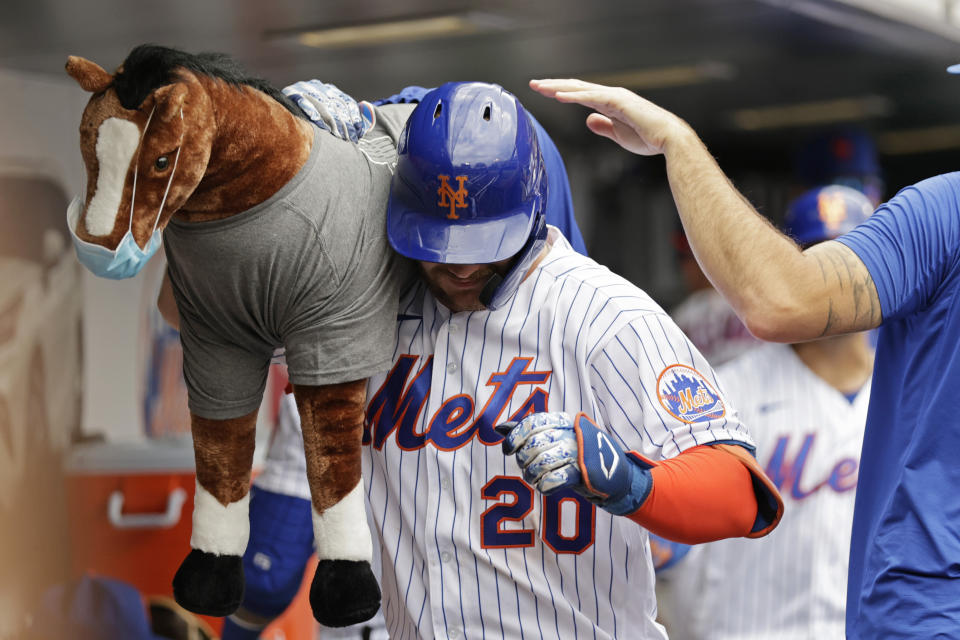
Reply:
x=274, y=236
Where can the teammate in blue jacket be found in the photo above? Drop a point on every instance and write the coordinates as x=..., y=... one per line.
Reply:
x=899, y=271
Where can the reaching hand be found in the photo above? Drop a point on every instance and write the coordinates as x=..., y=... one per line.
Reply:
x=634, y=123
x=555, y=452
x=330, y=108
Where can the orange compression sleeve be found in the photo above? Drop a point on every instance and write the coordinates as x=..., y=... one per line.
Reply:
x=706, y=493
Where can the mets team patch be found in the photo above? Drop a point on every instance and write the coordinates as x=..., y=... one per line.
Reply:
x=687, y=396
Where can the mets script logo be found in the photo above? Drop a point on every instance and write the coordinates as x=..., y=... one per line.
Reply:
x=687, y=396
x=450, y=198
x=396, y=409
x=787, y=472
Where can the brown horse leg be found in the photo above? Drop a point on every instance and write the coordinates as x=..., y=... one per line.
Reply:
x=210, y=579
x=344, y=589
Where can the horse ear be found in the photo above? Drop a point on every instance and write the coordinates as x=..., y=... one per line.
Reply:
x=89, y=75
x=169, y=100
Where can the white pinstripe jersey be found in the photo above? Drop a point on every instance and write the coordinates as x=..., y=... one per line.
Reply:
x=712, y=325
x=468, y=548
x=285, y=466
x=790, y=585
x=285, y=472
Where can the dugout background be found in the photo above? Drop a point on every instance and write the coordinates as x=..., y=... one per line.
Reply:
x=82, y=359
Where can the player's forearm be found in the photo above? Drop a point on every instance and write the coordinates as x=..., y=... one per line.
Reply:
x=770, y=284
x=780, y=293
x=704, y=494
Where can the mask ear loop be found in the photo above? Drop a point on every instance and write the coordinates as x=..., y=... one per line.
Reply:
x=136, y=170
x=176, y=159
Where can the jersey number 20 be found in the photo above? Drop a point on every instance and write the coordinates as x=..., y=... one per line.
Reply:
x=568, y=517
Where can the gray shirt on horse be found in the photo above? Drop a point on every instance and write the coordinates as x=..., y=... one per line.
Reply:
x=310, y=269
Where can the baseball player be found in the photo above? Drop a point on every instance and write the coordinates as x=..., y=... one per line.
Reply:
x=806, y=405
x=281, y=536
x=615, y=424
x=899, y=271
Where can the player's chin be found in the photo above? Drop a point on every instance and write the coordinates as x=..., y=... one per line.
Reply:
x=465, y=303
x=458, y=300
x=456, y=296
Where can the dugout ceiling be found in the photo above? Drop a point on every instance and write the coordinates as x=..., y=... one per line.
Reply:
x=738, y=70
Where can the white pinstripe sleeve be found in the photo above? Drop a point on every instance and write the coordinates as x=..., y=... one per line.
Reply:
x=657, y=393
x=285, y=466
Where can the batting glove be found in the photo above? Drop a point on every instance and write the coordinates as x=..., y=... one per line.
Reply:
x=555, y=452
x=330, y=108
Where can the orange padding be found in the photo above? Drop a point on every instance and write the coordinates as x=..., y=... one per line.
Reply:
x=703, y=494
x=769, y=501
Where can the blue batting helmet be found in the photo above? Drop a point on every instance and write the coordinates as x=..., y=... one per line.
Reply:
x=469, y=186
x=846, y=156
x=825, y=213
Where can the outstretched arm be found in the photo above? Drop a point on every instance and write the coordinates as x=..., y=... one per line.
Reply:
x=780, y=293
x=705, y=493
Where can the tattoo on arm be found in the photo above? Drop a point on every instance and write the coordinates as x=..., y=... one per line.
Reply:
x=851, y=295
x=831, y=319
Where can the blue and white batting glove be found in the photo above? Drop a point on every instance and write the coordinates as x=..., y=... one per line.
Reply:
x=330, y=108
x=555, y=452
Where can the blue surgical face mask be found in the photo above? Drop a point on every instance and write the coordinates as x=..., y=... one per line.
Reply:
x=128, y=258
x=123, y=262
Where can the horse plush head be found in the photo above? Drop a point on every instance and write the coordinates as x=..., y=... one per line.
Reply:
x=150, y=135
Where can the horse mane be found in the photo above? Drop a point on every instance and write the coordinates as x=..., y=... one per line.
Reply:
x=151, y=66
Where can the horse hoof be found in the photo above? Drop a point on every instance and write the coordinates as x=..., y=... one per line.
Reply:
x=344, y=592
x=209, y=584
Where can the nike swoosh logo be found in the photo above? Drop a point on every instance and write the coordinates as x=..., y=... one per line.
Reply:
x=770, y=406
x=604, y=446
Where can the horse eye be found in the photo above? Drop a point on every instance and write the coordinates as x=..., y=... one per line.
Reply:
x=162, y=163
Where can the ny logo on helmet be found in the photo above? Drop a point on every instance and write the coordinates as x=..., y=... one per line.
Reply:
x=450, y=198
x=832, y=208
